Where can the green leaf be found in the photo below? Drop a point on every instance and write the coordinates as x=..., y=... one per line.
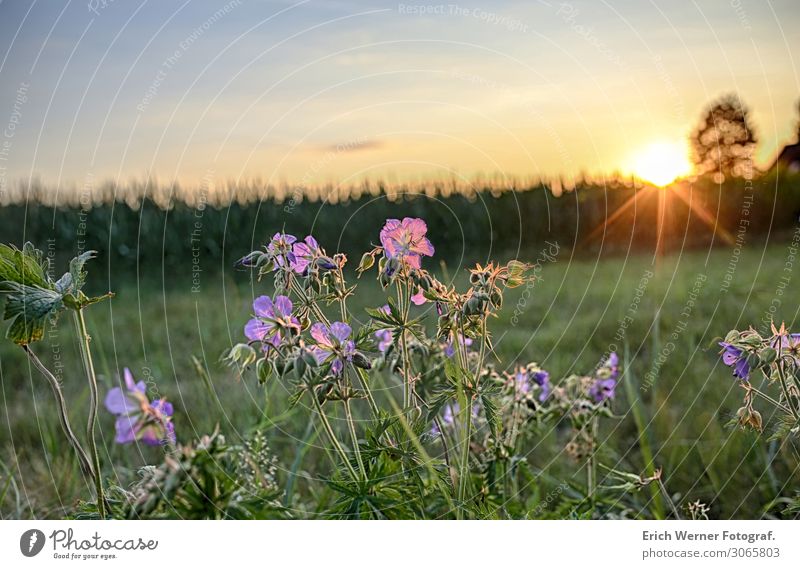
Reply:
x=28, y=308
x=73, y=281
x=492, y=413
x=25, y=267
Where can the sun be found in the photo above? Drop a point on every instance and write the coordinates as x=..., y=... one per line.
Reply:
x=661, y=162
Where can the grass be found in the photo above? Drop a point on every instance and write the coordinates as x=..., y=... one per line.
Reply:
x=664, y=319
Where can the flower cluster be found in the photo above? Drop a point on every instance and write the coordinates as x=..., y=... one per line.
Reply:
x=605, y=383
x=777, y=357
x=138, y=418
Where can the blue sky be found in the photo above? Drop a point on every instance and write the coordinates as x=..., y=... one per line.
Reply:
x=333, y=92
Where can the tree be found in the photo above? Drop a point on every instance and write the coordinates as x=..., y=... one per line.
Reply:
x=724, y=141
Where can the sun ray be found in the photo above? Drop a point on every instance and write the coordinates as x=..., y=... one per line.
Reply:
x=709, y=219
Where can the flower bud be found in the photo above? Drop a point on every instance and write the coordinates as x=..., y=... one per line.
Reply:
x=263, y=370
x=367, y=260
x=300, y=367
x=360, y=360
x=497, y=298
x=309, y=359
x=242, y=354
x=325, y=263
x=768, y=355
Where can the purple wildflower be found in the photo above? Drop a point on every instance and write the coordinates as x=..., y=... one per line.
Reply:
x=271, y=318
x=612, y=365
x=542, y=379
x=602, y=389
x=306, y=252
x=280, y=247
x=405, y=241
x=734, y=357
x=384, y=335
x=137, y=418
x=605, y=383
x=449, y=349
x=333, y=344
x=449, y=414
x=524, y=379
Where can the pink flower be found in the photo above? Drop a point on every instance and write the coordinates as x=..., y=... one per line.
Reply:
x=419, y=298
x=306, y=252
x=405, y=241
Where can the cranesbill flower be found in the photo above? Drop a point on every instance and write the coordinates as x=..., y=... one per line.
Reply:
x=405, y=241
x=333, y=345
x=384, y=335
x=308, y=251
x=384, y=338
x=525, y=378
x=735, y=358
x=602, y=389
x=604, y=386
x=449, y=414
x=419, y=298
x=790, y=345
x=271, y=319
x=137, y=418
x=449, y=349
x=280, y=248
x=542, y=379
x=612, y=366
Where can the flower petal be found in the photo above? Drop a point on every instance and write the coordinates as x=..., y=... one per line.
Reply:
x=419, y=298
x=282, y=306
x=321, y=333
x=127, y=429
x=256, y=329
x=118, y=403
x=340, y=331
x=263, y=307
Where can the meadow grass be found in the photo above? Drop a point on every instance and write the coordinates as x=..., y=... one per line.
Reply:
x=663, y=318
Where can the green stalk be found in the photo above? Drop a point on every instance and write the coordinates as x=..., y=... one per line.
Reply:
x=591, y=463
x=93, y=408
x=86, y=465
x=300, y=451
x=785, y=388
x=467, y=435
x=332, y=436
x=357, y=451
x=403, y=299
x=362, y=376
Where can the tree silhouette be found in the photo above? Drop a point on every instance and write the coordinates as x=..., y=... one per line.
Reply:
x=724, y=141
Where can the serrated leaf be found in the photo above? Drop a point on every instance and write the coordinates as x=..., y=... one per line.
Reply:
x=29, y=308
x=492, y=413
x=24, y=267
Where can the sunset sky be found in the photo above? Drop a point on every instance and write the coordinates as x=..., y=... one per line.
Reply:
x=318, y=92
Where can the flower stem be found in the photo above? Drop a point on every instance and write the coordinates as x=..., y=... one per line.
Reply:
x=591, y=463
x=332, y=436
x=86, y=465
x=404, y=300
x=785, y=389
x=356, y=450
x=769, y=399
x=93, y=408
x=463, y=476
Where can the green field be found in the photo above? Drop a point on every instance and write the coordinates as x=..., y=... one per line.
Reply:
x=664, y=320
